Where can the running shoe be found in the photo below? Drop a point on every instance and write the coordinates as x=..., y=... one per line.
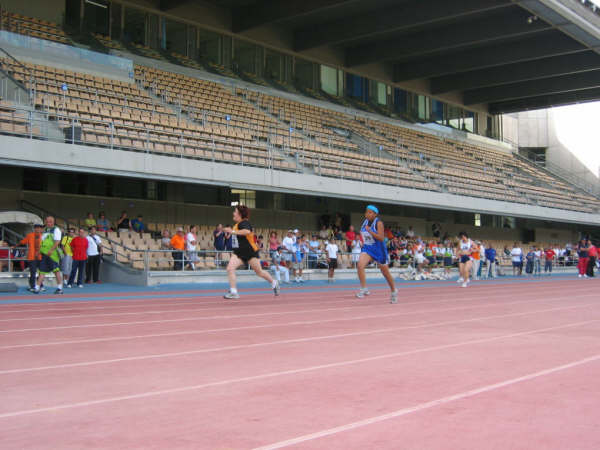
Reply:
x=460, y=280
x=394, y=298
x=276, y=289
x=465, y=284
x=69, y=286
x=80, y=285
x=42, y=289
x=58, y=291
x=231, y=295
x=363, y=293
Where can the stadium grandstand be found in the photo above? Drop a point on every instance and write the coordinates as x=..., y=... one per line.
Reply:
x=150, y=120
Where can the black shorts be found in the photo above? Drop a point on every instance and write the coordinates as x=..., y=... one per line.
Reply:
x=48, y=265
x=333, y=263
x=465, y=258
x=447, y=261
x=246, y=257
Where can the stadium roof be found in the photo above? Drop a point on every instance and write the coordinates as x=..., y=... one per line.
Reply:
x=495, y=55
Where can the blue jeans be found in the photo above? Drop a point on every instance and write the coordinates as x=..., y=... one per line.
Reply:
x=78, y=268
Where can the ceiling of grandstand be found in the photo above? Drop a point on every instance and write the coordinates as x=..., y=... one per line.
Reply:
x=499, y=55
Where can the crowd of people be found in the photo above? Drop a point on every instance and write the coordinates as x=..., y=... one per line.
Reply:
x=78, y=252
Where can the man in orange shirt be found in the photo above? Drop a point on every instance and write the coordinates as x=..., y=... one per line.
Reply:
x=33, y=241
x=178, y=246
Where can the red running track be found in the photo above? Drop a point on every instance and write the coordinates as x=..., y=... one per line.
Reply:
x=495, y=366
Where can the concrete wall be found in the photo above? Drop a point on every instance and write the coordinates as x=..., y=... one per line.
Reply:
x=52, y=155
x=51, y=10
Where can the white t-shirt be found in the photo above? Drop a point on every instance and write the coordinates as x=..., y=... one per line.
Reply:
x=516, y=254
x=55, y=232
x=93, y=243
x=332, y=251
x=356, y=247
x=190, y=242
x=288, y=243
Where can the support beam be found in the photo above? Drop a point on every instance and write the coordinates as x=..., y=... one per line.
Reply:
x=541, y=45
x=513, y=73
x=545, y=86
x=166, y=5
x=271, y=11
x=546, y=101
x=409, y=14
x=508, y=23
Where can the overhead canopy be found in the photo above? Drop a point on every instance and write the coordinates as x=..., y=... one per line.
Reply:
x=19, y=217
x=496, y=55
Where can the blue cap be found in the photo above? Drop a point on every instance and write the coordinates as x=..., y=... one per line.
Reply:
x=373, y=208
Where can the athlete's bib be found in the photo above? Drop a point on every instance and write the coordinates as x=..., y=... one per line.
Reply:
x=234, y=241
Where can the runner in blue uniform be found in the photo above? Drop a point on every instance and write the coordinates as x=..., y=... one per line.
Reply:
x=374, y=250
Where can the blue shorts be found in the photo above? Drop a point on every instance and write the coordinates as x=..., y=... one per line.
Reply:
x=465, y=258
x=517, y=264
x=447, y=261
x=377, y=256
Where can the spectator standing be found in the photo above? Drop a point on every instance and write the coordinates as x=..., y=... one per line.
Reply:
x=324, y=234
x=33, y=241
x=537, y=262
x=66, y=263
x=331, y=250
x=593, y=256
x=138, y=224
x=178, y=247
x=288, y=248
x=410, y=233
x=436, y=229
x=218, y=241
x=350, y=236
x=583, y=252
x=79, y=246
x=490, y=256
x=549, y=255
x=51, y=254
x=517, y=259
x=123, y=224
x=190, y=246
x=94, y=253
x=356, y=250
x=314, y=248
x=89, y=220
x=102, y=224
x=300, y=250
x=529, y=261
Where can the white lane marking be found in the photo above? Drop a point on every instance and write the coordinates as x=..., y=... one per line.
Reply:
x=249, y=327
x=290, y=341
x=428, y=405
x=262, y=376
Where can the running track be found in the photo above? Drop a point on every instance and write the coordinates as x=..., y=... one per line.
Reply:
x=511, y=364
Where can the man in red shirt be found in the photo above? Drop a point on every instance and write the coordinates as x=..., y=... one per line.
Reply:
x=79, y=247
x=350, y=236
x=549, y=256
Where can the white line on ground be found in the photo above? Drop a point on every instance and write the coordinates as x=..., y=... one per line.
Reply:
x=269, y=375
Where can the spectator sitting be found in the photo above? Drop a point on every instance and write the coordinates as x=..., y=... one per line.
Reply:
x=138, y=224
x=436, y=230
x=102, y=224
x=165, y=241
x=89, y=220
x=123, y=224
x=278, y=266
x=314, y=248
x=273, y=243
x=324, y=234
x=410, y=233
x=190, y=246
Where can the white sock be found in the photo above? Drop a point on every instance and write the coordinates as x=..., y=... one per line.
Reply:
x=59, y=286
x=233, y=290
x=37, y=288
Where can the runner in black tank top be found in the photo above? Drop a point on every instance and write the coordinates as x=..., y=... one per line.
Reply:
x=245, y=251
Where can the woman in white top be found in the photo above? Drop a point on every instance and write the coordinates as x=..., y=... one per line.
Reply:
x=356, y=249
x=517, y=259
x=190, y=246
x=464, y=251
x=332, y=250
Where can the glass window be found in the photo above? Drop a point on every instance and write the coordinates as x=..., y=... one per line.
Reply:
x=329, y=80
x=423, y=107
x=243, y=197
x=208, y=46
x=477, y=220
x=96, y=17
x=244, y=56
x=175, y=37
x=35, y=180
x=135, y=26
x=115, y=20
x=381, y=94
